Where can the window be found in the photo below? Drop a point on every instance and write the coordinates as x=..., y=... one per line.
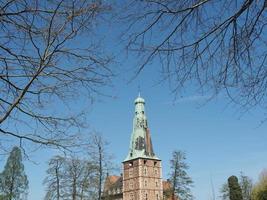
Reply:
x=156, y=183
x=155, y=163
x=145, y=171
x=131, y=196
x=146, y=196
x=131, y=185
x=130, y=172
x=156, y=171
x=157, y=195
x=145, y=183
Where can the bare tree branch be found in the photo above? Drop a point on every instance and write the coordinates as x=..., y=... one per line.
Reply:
x=44, y=67
x=216, y=46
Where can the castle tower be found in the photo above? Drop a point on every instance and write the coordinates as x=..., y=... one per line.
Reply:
x=142, y=179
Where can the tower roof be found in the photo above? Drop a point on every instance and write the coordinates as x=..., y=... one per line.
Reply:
x=141, y=143
x=139, y=99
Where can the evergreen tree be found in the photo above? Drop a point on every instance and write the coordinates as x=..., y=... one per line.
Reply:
x=234, y=188
x=180, y=180
x=13, y=180
x=2, y=197
x=246, y=186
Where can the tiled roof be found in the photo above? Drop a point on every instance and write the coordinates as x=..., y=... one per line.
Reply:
x=167, y=190
x=113, y=182
x=166, y=185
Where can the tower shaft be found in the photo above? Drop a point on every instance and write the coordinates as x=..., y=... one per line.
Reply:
x=142, y=174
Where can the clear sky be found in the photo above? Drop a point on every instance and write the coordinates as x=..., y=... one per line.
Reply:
x=218, y=143
x=218, y=140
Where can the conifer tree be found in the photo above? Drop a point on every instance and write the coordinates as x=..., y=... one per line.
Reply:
x=180, y=180
x=234, y=188
x=13, y=180
x=246, y=186
x=2, y=197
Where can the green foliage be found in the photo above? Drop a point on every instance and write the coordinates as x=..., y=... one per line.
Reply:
x=235, y=192
x=13, y=180
x=2, y=197
x=260, y=189
x=181, y=181
x=246, y=187
x=225, y=192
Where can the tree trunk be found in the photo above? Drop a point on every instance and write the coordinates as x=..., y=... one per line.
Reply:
x=100, y=172
x=11, y=184
x=74, y=189
x=57, y=177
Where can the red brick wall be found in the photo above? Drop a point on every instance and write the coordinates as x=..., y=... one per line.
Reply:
x=142, y=180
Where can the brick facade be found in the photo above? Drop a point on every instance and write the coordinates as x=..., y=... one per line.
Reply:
x=142, y=180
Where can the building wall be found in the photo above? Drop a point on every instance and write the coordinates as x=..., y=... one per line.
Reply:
x=142, y=180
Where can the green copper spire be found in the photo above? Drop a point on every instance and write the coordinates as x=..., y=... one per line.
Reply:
x=141, y=144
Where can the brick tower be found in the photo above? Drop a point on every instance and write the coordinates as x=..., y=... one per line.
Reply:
x=142, y=179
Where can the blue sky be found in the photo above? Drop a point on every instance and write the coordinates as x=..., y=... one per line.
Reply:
x=218, y=142
x=218, y=139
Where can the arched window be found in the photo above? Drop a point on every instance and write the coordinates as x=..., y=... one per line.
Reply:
x=131, y=185
x=130, y=172
x=145, y=171
x=131, y=196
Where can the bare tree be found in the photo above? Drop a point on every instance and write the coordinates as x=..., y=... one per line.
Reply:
x=75, y=169
x=88, y=182
x=79, y=177
x=54, y=178
x=216, y=46
x=45, y=65
x=70, y=178
x=99, y=155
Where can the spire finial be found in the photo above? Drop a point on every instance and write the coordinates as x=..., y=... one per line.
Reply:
x=139, y=91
